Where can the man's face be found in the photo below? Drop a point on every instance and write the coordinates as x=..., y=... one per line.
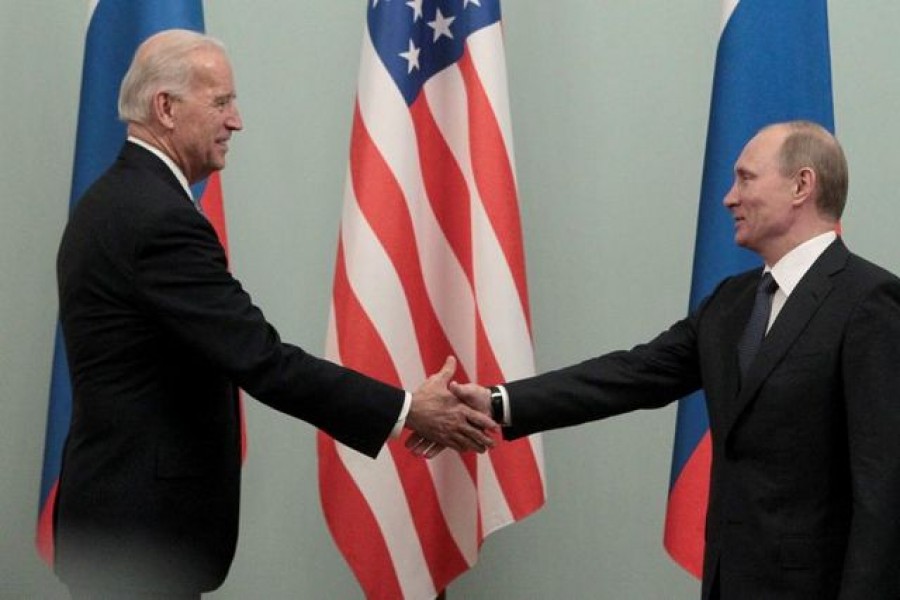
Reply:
x=761, y=199
x=205, y=117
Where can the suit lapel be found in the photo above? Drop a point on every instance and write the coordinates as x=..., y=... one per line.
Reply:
x=801, y=306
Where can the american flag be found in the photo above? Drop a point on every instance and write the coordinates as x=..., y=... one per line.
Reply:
x=430, y=263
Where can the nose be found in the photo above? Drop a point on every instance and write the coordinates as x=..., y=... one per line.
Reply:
x=730, y=198
x=234, y=122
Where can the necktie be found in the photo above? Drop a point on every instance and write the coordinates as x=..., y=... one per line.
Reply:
x=755, y=330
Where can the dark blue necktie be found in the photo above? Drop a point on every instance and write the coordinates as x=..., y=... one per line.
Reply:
x=755, y=330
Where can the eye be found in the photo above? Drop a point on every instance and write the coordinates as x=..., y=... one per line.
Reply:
x=223, y=102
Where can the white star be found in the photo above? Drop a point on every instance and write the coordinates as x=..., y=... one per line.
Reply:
x=441, y=26
x=416, y=5
x=465, y=3
x=412, y=57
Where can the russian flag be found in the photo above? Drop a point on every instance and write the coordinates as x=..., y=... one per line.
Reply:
x=773, y=64
x=115, y=29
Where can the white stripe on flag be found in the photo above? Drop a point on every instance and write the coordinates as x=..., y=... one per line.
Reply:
x=374, y=279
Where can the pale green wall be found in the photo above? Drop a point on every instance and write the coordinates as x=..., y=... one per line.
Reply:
x=609, y=103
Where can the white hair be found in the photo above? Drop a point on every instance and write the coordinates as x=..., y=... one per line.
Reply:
x=160, y=67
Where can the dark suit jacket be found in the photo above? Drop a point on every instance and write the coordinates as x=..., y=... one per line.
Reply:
x=158, y=336
x=805, y=483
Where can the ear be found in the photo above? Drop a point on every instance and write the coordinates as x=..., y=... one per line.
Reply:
x=163, y=109
x=804, y=185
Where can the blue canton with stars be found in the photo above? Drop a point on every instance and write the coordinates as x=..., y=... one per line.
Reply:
x=417, y=38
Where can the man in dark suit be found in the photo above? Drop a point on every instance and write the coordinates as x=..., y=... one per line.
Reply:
x=159, y=336
x=805, y=483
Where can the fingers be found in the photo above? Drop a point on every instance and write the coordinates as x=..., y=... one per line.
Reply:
x=421, y=447
x=433, y=451
x=477, y=435
x=472, y=394
x=480, y=421
x=469, y=434
x=467, y=441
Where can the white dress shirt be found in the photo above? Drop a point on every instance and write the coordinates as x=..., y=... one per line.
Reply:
x=788, y=271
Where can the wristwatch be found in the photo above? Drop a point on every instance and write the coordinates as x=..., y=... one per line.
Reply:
x=498, y=414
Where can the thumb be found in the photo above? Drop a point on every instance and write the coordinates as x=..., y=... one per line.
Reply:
x=447, y=371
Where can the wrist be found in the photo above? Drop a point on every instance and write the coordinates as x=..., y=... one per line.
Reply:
x=498, y=411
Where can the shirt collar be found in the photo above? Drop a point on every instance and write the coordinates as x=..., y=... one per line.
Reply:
x=179, y=175
x=793, y=266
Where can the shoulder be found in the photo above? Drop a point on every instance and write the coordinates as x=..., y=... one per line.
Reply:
x=873, y=289
x=133, y=207
x=866, y=270
x=137, y=184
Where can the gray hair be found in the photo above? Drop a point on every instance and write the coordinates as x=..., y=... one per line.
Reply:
x=160, y=67
x=809, y=145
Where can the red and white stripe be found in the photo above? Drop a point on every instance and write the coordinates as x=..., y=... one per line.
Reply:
x=430, y=262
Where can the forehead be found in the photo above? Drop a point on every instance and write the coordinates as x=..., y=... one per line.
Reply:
x=763, y=148
x=211, y=68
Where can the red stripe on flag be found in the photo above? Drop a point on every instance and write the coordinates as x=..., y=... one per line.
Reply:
x=494, y=177
x=442, y=554
x=213, y=207
x=44, y=539
x=381, y=200
x=445, y=185
x=359, y=539
x=360, y=344
x=519, y=476
x=686, y=514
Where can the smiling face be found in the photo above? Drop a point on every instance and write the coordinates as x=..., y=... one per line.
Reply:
x=203, y=119
x=762, y=200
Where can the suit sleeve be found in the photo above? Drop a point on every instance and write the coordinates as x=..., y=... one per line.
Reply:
x=648, y=376
x=871, y=367
x=182, y=279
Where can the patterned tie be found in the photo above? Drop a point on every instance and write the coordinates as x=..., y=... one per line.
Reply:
x=755, y=330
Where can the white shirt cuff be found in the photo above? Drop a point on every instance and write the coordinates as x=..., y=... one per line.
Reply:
x=507, y=416
x=401, y=420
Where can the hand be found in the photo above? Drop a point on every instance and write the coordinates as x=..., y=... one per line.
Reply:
x=440, y=420
x=474, y=395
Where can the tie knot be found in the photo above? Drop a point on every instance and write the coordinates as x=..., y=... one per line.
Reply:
x=767, y=284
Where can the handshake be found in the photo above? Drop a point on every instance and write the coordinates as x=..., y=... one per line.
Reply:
x=445, y=414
